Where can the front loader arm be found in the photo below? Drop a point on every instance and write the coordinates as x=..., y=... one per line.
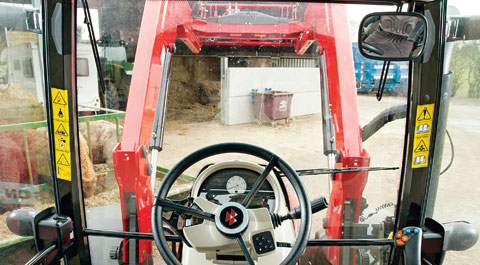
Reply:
x=162, y=23
x=330, y=24
x=158, y=31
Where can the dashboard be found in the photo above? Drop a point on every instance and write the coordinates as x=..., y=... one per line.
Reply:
x=233, y=184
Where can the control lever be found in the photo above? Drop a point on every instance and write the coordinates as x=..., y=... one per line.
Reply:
x=409, y=239
x=317, y=205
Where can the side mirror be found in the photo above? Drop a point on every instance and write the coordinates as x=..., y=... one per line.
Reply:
x=392, y=36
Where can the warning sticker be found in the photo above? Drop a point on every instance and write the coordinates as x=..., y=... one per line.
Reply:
x=421, y=147
x=60, y=112
x=423, y=131
x=62, y=143
x=59, y=97
x=62, y=134
x=64, y=172
x=61, y=129
x=424, y=115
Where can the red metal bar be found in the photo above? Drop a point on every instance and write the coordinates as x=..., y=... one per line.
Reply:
x=332, y=33
x=157, y=32
x=304, y=41
x=278, y=31
x=249, y=43
x=250, y=5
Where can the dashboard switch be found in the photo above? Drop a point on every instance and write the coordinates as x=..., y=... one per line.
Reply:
x=263, y=242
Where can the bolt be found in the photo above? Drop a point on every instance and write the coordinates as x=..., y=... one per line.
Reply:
x=154, y=135
x=149, y=170
x=144, y=151
x=426, y=98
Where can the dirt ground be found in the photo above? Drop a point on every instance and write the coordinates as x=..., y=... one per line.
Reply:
x=300, y=144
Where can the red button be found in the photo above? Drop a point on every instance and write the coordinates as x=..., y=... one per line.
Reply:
x=400, y=242
x=405, y=238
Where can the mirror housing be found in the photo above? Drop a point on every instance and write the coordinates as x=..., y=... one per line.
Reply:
x=392, y=36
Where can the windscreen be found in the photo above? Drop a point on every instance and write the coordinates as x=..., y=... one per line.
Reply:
x=267, y=74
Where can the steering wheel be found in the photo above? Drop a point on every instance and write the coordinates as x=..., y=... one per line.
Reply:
x=233, y=221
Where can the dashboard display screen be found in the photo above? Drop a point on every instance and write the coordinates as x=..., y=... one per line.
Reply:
x=233, y=184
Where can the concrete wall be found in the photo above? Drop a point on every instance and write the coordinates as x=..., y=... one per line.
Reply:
x=237, y=106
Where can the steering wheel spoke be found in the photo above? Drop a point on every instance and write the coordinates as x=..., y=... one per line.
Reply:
x=172, y=223
x=245, y=251
x=171, y=205
x=258, y=184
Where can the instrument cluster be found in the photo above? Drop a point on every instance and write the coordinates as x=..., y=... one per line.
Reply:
x=233, y=184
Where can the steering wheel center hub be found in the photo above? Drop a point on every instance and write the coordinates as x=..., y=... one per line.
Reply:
x=231, y=218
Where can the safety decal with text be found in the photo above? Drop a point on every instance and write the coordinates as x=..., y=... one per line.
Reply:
x=423, y=131
x=62, y=134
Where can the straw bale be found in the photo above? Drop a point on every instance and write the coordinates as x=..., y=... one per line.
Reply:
x=19, y=106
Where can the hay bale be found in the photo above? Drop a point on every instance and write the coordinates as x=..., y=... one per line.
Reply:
x=13, y=159
x=16, y=37
x=89, y=178
x=42, y=155
x=19, y=106
x=41, y=150
x=103, y=136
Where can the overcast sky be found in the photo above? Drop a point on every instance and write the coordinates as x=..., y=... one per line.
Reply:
x=466, y=7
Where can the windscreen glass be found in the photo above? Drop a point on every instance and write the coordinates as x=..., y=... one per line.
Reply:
x=287, y=77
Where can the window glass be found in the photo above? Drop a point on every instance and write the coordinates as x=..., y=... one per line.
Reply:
x=261, y=88
x=82, y=67
x=27, y=68
x=455, y=198
x=25, y=175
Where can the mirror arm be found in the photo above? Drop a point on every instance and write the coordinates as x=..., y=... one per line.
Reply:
x=383, y=80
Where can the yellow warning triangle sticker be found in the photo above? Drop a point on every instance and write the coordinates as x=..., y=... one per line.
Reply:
x=61, y=130
x=63, y=161
x=421, y=147
x=424, y=115
x=59, y=99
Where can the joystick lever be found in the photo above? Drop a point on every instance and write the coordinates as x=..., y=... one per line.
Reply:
x=409, y=239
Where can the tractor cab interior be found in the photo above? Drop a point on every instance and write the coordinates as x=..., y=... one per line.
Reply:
x=235, y=132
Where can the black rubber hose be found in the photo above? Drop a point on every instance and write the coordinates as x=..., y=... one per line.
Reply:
x=384, y=117
x=453, y=153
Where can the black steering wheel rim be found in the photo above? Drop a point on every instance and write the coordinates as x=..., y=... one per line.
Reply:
x=222, y=148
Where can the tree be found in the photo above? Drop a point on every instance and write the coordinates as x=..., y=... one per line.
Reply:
x=465, y=65
x=456, y=66
x=474, y=70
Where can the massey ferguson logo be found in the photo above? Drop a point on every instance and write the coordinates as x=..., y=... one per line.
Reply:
x=230, y=219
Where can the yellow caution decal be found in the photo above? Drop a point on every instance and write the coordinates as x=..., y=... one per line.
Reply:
x=423, y=131
x=62, y=134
